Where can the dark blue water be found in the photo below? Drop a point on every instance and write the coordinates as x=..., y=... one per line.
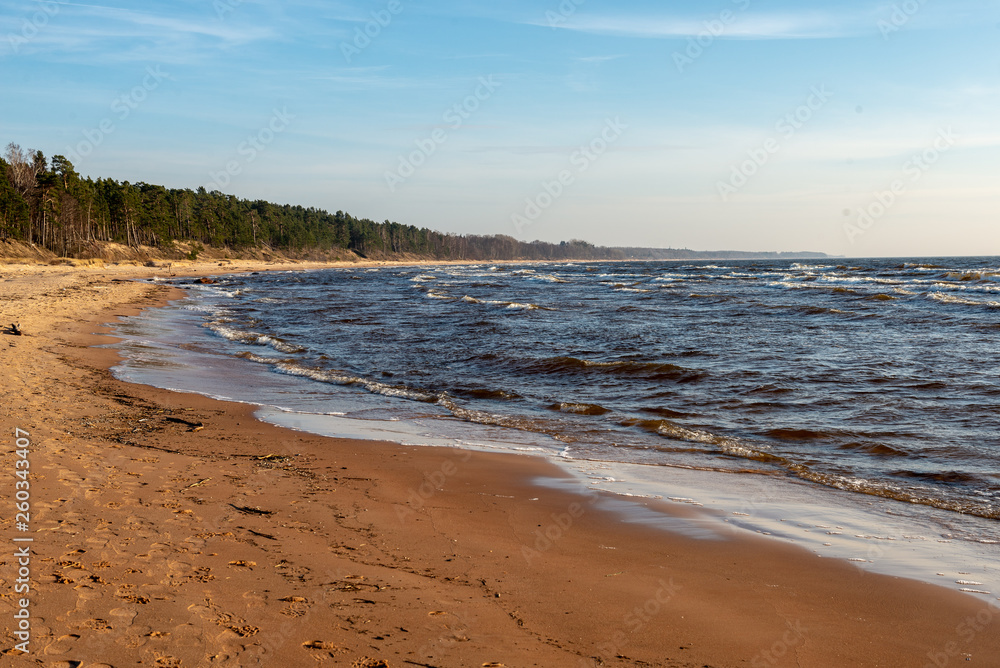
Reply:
x=875, y=376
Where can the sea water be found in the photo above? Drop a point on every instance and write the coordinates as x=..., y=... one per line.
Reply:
x=847, y=405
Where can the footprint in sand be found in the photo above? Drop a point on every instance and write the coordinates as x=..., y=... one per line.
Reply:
x=122, y=618
x=62, y=645
x=133, y=640
x=86, y=593
x=203, y=611
x=177, y=572
x=184, y=635
x=96, y=543
x=255, y=599
x=160, y=550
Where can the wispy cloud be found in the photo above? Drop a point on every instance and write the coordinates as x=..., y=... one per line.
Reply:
x=144, y=23
x=600, y=59
x=742, y=26
x=110, y=35
x=569, y=149
x=361, y=81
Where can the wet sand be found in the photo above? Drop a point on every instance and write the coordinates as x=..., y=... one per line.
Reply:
x=175, y=530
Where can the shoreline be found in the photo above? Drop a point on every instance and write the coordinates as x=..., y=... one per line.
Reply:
x=441, y=557
x=940, y=547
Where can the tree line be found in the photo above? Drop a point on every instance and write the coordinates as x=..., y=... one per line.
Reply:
x=48, y=204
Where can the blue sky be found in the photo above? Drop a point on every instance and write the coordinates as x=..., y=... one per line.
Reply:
x=856, y=128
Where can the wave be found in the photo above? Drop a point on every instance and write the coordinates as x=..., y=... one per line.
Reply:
x=667, y=412
x=888, y=490
x=972, y=276
x=952, y=299
x=261, y=359
x=482, y=393
x=798, y=434
x=725, y=444
x=515, y=306
x=646, y=370
x=342, y=378
x=948, y=477
x=254, y=338
x=579, y=409
x=509, y=421
x=877, y=449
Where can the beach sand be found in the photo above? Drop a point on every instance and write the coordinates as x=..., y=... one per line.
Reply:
x=175, y=530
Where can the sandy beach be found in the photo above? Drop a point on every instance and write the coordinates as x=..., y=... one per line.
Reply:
x=175, y=530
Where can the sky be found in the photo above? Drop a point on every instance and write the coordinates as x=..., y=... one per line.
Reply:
x=857, y=128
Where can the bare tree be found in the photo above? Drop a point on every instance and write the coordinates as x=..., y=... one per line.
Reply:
x=24, y=169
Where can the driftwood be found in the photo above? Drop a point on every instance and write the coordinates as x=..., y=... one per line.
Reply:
x=252, y=511
x=262, y=535
x=15, y=329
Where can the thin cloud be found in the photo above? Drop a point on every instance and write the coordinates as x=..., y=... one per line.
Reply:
x=569, y=149
x=600, y=59
x=742, y=26
x=97, y=21
x=363, y=82
x=216, y=29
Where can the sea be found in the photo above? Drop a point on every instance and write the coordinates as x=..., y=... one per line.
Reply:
x=851, y=406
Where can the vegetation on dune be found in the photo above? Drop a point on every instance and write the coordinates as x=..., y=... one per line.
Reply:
x=47, y=203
